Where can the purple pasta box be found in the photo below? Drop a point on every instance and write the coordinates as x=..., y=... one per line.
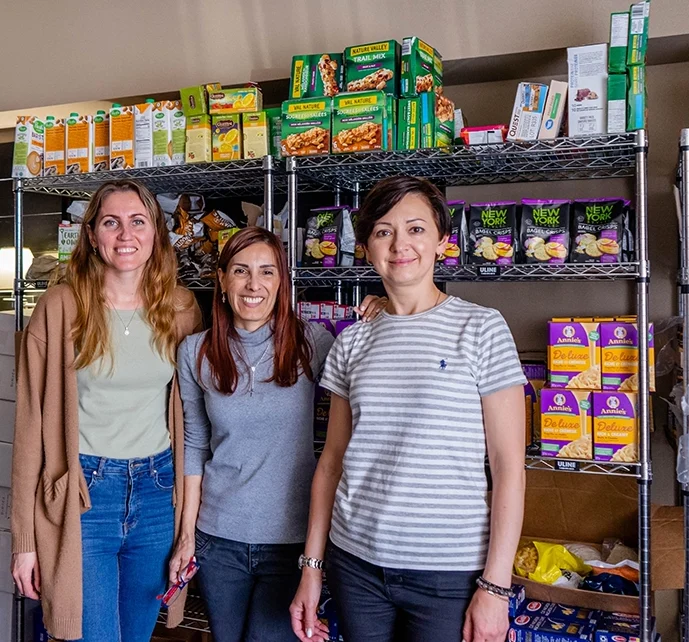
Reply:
x=620, y=355
x=574, y=354
x=566, y=424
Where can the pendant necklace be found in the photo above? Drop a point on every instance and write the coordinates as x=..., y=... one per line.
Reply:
x=126, y=325
x=253, y=369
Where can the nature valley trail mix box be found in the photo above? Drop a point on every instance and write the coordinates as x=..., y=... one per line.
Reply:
x=574, y=354
x=306, y=126
x=620, y=356
x=360, y=122
x=566, y=424
x=54, y=150
x=492, y=232
x=422, y=67
x=373, y=67
x=316, y=75
x=637, y=42
x=615, y=427
x=545, y=229
x=27, y=159
x=274, y=116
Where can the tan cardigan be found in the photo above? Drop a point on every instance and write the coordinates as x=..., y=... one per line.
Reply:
x=49, y=491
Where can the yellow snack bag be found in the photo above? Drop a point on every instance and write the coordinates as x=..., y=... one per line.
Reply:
x=543, y=562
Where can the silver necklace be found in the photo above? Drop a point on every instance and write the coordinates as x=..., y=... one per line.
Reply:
x=126, y=325
x=252, y=368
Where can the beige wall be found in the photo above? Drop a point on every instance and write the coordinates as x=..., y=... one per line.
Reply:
x=80, y=50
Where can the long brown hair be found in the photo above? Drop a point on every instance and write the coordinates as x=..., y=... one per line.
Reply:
x=85, y=275
x=292, y=350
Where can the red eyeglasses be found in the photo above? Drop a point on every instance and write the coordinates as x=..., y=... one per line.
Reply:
x=175, y=590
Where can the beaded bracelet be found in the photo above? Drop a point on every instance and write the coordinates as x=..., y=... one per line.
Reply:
x=494, y=589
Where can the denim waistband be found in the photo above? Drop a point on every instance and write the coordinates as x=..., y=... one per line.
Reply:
x=126, y=466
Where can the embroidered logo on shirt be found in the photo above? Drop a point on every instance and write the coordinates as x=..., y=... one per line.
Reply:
x=443, y=364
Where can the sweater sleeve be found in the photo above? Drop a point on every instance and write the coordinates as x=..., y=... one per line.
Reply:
x=197, y=426
x=27, y=456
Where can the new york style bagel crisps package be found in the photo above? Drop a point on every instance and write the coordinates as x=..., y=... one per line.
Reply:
x=545, y=229
x=492, y=232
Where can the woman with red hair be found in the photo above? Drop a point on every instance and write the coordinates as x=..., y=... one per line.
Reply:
x=247, y=388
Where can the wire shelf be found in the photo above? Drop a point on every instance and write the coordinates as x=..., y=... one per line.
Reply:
x=560, y=159
x=195, y=615
x=620, y=469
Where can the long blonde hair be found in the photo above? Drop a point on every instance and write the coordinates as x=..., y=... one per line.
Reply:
x=85, y=275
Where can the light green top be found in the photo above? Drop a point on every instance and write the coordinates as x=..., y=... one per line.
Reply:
x=123, y=411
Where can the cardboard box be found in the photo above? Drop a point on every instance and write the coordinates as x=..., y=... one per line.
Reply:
x=421, y=68
x=227, y=137
x=143, y=128
x=178, y=131
x=122, y=136
x=256, y=132
x=79, y=144
x=195, y=99
x=615, y=427
x=636, y=98
x=408, y=123
x=360, y=122
x=67, y=239
x=316, y=75
x=437, y=121
x=574, y=355
x=237, y=100
x=274, y=116
x=617, y=103
x=101, y=141
x=619, y=37
x=374, y=66
x=485, y=135
x=588, y=88
x=555, y=104
x=620, y=356
x=198, y=145
x=566, y=424
x=54, y=147
x=527, y=628
x=527, y=113
x=5, y=462
x=306, y=127
x=7, y=410
x=637, y=43
x=161, y=134
x=27, y=157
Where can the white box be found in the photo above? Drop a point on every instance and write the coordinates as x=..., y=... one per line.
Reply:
x=588, y=90
x=7, y=421
x=7, y=378
x=5, y=506
x=6, y=609
x=528, y=111
x=5, y=465
x=143, y=133
x=554, y=110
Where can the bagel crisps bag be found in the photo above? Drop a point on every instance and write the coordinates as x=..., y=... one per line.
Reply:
x=598, y=230
x=455, y=243
x=492, y=232
x=545, y=229
x=321, y=237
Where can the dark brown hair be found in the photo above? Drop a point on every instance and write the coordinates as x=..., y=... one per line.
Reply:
x=389, y=192
x=292, y=350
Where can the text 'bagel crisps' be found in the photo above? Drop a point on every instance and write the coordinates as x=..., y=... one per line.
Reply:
x=545, y=229
x=456, y=241
x=492, y=232
x=598, y=229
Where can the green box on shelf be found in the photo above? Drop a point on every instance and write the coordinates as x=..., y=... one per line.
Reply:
x=617, y=103
x=391, y=114
x=636, y=99
x=638, y=33
x=360, y=122
x=409, y=123
x=306, y=126
x=422, y=67
x=373, y=67
x=316, y=75
x=195, y=99
x=274, y=116
x=619, y=37
x=437, y=121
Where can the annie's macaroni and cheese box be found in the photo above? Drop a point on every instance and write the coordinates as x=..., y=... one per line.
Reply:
x=536, y=375
x=122, y=136
x=620, y=356
x=54, y=149
x=27, y=159
x=615, y=427
x=101, y=142
x=574, y=354
x=79, y=144
x=566, y=424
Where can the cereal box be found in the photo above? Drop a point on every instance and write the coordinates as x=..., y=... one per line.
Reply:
x=274, y=116
x=162, y=134
x=178, y=127
x=422, y=67
x=199, y=139
x=237, y=100
x=527, y=112
x=454, y=247
x=408, y=123
x=636, y=98
x=560, y=612
x=195, y=99
x=574, y=354
x=615, y=426
x=101, y=142
x=554, y=110
x=536, y=375
x=619, y=36
x=321, y=242
x=588, y=88
x=617, y=103
x=121, y=137
x=637, y=42
x=79, y=144
x=620, y=356
x=227, y=138
x=143, y=128
x=373, y=67
x=256, y=133
x=492, y=232
x=598, y=229
x=360, y=122
x=316, y=75
x=545, y=229
x=27, y=159
x=54, y=146
x=437, y=120
x=306, y=126
x=526, y=628
x=566, y=424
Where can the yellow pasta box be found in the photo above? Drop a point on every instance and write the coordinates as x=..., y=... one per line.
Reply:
x=101, y=142
x=198, y=146
x=122, y=136
x=574, y=354
x=54, y=146
x=615, y=427
x=237, y=100
x=79, y=144
x=256, y=133
x=227, y=138
x=620, y=355
x=27, y=159
x=566, y=424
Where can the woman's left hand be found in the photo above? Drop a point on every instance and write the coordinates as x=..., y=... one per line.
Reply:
x=486, y=619
x=371, y=307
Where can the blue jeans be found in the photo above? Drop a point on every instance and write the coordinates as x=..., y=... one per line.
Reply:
x=377, y=604
x=127, y=538
x=248, y=588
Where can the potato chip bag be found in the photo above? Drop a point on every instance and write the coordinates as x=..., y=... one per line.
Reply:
x=598, y=230
x=321, y=246
x=454, y=248
x=492, y=232
x=545, y=229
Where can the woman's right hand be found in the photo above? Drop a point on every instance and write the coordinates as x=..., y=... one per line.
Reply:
x=27, y=575
x=181, y=556
x=304, y=608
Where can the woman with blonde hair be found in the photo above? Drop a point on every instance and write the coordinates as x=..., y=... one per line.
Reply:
x=97, y=477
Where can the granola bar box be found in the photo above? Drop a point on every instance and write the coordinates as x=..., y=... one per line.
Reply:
x=422, y=67
x=409, y=123
x=566, y=424
x=360, y=122
x=306, y=126
x=437, y=120
x=317, y=75
x=615, y=427
x=574, y=354
x=374, y=66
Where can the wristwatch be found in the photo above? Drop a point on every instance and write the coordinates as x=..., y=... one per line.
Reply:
x=311, y=562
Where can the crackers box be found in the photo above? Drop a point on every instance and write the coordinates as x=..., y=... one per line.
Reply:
x=162, y=134
x=274, y=116
x=437, y=120
x=360, y=122
x=122, y=135
x=408, y=123
x=566, y=424
x=636, y=98
x=101, y=141
x=545, y=229
x=554, y=112
x=527, y=113
x=227, y=137
x=492, y=233
x=374, y=66
x=619, y=37
x=637, y=42
x=588, y=89
x=316, y=75
x=421, y=69
x=574, y=354
x=615, y=427
x=198, y=147
x=54, y=147
x=237, y=100
x=143, y=129
x=617, y=103
x=27, y=158
x=306, y=126
x=620, y=356
x=195, y=99
x=256, y=135
x=178, y=127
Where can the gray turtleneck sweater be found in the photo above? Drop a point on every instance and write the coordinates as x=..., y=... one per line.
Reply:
x=254, y=448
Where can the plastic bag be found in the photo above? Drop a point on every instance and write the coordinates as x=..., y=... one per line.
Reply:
x=610, y=583
x=542, y=562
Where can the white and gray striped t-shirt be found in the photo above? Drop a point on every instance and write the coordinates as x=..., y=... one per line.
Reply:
x=413, y=488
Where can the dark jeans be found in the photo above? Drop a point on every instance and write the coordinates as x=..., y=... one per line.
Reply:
x=248, y=588
x=379, y=604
